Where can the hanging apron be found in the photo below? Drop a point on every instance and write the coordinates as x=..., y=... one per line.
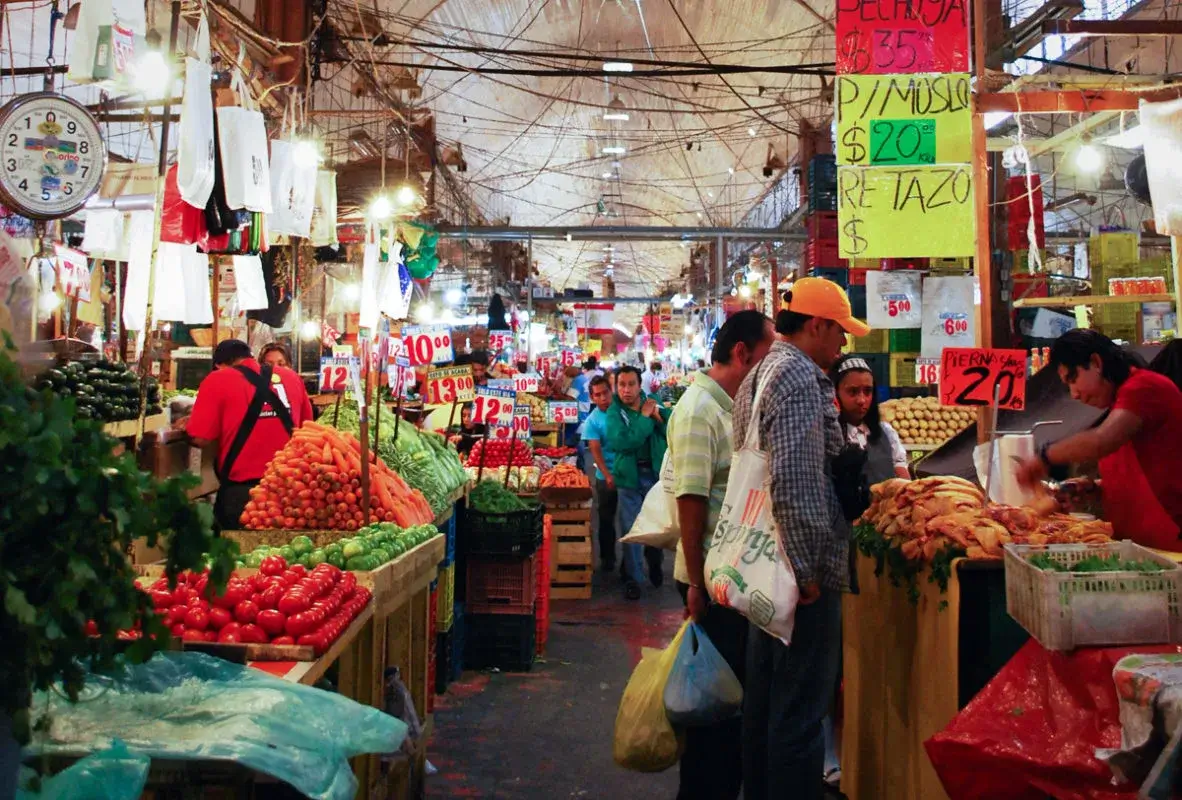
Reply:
x=1130, y=504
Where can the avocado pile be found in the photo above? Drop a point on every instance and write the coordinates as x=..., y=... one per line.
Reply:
x=104, y=390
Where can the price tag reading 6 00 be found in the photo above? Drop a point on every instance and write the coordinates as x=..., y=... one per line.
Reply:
x=972, y=376
x=450, y=385
x=428, y=345
x=494, y=406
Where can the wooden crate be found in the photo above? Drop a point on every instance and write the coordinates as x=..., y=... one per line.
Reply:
x=570, y=552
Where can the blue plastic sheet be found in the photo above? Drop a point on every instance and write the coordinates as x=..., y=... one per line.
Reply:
x=702, y=688
x=114, y=774
x=193, y=706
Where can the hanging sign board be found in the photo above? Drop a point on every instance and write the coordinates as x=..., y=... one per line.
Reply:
x=400, y=378
x=73, y=272
x=897, y=120
x=949, y=317
x=526, y=382
x=428, y=345
x=450, y=385
x=493, y=406
x=518, y=426
x=546, y=361
x=893, y=299
x=335, y=372
x=877, y=38
x=970, y=376
x=562, y=412
x=906, y=212
x=570, y=357
x=499, y=340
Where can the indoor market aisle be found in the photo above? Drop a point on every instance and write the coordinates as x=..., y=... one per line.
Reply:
x=547, y=733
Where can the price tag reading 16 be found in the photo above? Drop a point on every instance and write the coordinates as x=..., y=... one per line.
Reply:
x=427, y=345
x=493, y=406
x=972, y=376
x=450, y=385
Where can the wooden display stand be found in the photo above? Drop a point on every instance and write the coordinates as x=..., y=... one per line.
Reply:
x=570, y=554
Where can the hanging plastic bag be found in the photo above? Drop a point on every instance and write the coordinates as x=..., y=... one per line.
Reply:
x=702, y=688
x=248, y=277
x=168, y=299
x=370, y=278
x=242, y=136
x=656, y=525
x=746, y=568
x=195, y=150
x=324, y=211
x=390, y=292
x=198, y=300
x=1161, y=123
x=103, y=234
x=644, y=739
x=139, y=265
x=114, y=774
x=293, y=181
x=180, y=222
x=107, y=36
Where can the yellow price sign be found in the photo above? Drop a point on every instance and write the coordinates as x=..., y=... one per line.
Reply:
x=450, y=385
x=899, y=120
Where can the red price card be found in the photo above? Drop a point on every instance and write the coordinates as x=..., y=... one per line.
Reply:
x=494, y=406
x=427, y=345
x=450, y=385
x=880, y=37
x=972, y=376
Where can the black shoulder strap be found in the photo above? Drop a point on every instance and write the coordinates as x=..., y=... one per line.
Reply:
x=263, y=395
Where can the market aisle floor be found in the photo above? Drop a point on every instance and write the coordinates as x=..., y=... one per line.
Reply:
x=548, y=733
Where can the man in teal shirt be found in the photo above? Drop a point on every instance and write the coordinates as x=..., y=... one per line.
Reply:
x=601, y=459
x=636, y=434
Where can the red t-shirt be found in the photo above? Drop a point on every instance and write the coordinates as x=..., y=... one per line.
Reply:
x=222, y=400
x=1157, y=402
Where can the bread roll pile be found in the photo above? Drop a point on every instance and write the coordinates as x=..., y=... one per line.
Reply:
x=922, y=420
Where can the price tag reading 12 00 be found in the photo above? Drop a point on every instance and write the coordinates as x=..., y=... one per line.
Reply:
x=972, y=376
x=493, y=406
x=334, y=372
x=450, y=385
x=428, y=345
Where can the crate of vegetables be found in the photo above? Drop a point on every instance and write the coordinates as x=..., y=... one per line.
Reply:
x=499, y=523
x=1071, y=595
x=564, y=485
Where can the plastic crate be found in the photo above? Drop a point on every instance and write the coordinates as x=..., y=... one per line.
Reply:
x=1114, y=248
x=501, y=585
x=1064, y=611
x=873, y=342
x=822, y=225
x=458, y=637
x=903, y=263
x=516, y=533
x=446, y=598
x=822, y=201
x=443, y=656
x=903, y=340
x=858, y=276
x=823, y=174
x=503, y=641
x=902, y=370
x=449, y=532
x=857, y=296
x=821, y=254
x=839, y=275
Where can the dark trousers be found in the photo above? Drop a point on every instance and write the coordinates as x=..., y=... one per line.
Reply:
x=231, y=500
x=712, y=764
x=606, y=499
x=786, y=696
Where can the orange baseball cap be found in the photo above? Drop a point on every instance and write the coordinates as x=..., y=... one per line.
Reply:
x=823, y=298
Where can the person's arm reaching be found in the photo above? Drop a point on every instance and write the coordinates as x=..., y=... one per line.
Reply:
x=1120, y=426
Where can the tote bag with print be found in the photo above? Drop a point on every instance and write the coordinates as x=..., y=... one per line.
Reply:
x=242, y=137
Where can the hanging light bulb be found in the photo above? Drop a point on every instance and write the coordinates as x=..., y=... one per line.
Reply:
x=310, y=329
x=406, y=196
x=380, y=208
x=305, y=154
x=152, y=75
x=615, y=110
x=744, y=291
x=1088, y=157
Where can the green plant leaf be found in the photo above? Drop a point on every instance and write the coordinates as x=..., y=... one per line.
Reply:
x=17, y=604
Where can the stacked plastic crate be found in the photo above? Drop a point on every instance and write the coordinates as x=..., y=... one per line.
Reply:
x=542, y=581
x=820, y=250
x=1117, y=254
x=445, y=610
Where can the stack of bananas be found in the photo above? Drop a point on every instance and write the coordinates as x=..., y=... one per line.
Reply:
x=922, y=420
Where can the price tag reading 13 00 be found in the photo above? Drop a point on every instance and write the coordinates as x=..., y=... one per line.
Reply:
x=450, y=385
x=427, y=345
x=493, y=406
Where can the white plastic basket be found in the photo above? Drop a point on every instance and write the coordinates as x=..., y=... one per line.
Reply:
x=1064, y=610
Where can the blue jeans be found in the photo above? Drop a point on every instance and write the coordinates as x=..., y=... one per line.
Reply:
x=630, y=502
x=786, y=697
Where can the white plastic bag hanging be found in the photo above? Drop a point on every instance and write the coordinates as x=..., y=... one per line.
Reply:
x=103, y=233
x=324, y=212
x=746, y=568
x=251, y=287
x=293, y=191
x=139, y=264
x=106, y=37
x=949, y=317
x=198, y=303
x=657, y=525
x=242, y=134
x=370, y=278
x=390, y=290
x=1162, y=124
x=195, y=150
x=168, y=299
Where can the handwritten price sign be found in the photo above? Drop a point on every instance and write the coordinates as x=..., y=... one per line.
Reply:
x=526, y=382
x=927, y=371
x=499, y=340
x=494, y=406
x=570, y=356
x=971, y=376
x=884, y=38
x=546, y=361
x=428, y=345
x=450, y=385
x=335, y=372
x=519, y=427
x=562, y=412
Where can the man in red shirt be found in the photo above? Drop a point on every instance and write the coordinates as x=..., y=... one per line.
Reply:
x=250, y=411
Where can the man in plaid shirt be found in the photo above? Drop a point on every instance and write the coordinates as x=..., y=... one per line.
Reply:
x=788, y=688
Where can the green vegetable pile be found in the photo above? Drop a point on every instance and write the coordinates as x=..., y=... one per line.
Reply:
x=1096, y=563
x=489, y=497
x=902, y=571
x=424, y=459
x=103, y=390
x=370, y=548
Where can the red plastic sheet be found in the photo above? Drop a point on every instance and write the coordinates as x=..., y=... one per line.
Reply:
x=1033, y=731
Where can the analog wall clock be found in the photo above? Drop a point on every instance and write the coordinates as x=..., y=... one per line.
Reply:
x=52, y=155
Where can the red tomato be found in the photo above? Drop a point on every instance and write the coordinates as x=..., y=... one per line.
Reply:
x=246, y=611
x=272, y=622
x=271, y=596
x=161, y=599
x=228, y=635
x=177, y=614
x=194, y=601
x=283, y=640
x=259, y=581
x=298, y=624
x=178, y=630
x=235, y=627
x=331, y=570
x=211, y=636
x=294, y=602
x=289, y=578
x=253, y=634
x=272, y=565
x=193, y=635
x=299, y=569
x=92, y=628
x=196, y=619
x=236, y=592
x=218, y=617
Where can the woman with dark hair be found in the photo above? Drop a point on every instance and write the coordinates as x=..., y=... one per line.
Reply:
x=276, y=355
x=853, y=382
x=1138, y=444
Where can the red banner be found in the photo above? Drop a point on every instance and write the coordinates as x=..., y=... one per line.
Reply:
x=884, y=37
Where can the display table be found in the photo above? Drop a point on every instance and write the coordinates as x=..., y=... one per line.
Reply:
x=1032, y=732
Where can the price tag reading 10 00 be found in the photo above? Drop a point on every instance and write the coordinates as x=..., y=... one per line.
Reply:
x=427, y=345
x=450, y=385
x=493, y=406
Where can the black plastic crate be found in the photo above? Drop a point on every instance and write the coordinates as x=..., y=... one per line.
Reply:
x=504, y=641
x=822, y=200
x=823, y=174
x=443, y=655
x=516, y=533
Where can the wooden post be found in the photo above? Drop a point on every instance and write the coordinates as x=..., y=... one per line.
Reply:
x=982, y=259
x=364, y=413
x=451, y=418
x=483, y=448
x=217, y=312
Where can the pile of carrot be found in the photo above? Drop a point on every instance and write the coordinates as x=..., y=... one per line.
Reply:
x=314, y=483
x=565, y=476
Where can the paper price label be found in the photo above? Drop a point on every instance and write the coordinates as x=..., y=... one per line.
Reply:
x=493, y=406
x=526, y=382
x=499, y=340
x=546, y=361
x=562, y=412
x=927, y=371
x=972, y=376
x=570, y=356
x=518, y=427
x=450, y=385
x=428, y=345
x=399, y=378
x=335, y=372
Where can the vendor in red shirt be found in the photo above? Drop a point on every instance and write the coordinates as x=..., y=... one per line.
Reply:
x=250, y=411
x=1138, y=444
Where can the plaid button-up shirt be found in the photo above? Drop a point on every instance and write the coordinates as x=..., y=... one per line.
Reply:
x=799, y=431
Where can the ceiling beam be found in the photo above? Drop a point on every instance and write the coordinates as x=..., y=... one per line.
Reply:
x=1070, y=102
x=1112, y=27
x=589, y=233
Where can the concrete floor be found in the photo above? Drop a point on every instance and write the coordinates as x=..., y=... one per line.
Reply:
x=547, y=733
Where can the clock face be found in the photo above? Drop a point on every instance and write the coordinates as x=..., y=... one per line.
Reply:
x=52, y=155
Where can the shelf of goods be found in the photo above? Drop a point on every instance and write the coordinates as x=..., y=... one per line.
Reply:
x=1090, y=300
x=929, y=569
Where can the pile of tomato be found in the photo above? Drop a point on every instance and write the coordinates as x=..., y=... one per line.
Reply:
x=278, y=605
x=496, y=453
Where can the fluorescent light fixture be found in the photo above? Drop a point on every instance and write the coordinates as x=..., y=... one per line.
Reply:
x=609, y=248
x=615, y=111
x=751, y=131
x=617, y=66
x=614, y=150
x=608, y=175
x=1130, y=139
x=730, y=170
x=710, y=194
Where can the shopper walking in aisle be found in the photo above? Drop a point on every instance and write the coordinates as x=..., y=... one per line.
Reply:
x=250, y=411
x=604, y=498
x=699, y=438
x=788, y=688
x=636, y=434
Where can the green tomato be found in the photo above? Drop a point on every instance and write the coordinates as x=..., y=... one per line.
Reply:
x=317, y=556
x=358, y=563
x=354, y=548
x=336, y=558
x=253, y=560
x=301, y=545
x=288, y=553
x=381, y=554
x=397, y=549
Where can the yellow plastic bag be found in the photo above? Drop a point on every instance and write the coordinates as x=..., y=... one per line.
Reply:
x=644, y=739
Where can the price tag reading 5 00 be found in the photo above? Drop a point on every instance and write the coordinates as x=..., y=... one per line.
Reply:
x=494, y=406
x=428, y=345
x=450, y=385
x=972, y=376
x=562, y=412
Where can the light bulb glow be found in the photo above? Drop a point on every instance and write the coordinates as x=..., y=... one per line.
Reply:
x=617, y=66
x=406, y=196
x=754, y=276
x=380, y=208
x=152, y=75
x=744, y=291
x=351, y=292
x=310, y=329
x=614, y=150
x=425, y=314
x=453, y=297
x=1088, y=158
x=305, y=154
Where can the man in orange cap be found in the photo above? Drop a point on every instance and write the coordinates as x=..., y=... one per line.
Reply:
x=789, y=687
